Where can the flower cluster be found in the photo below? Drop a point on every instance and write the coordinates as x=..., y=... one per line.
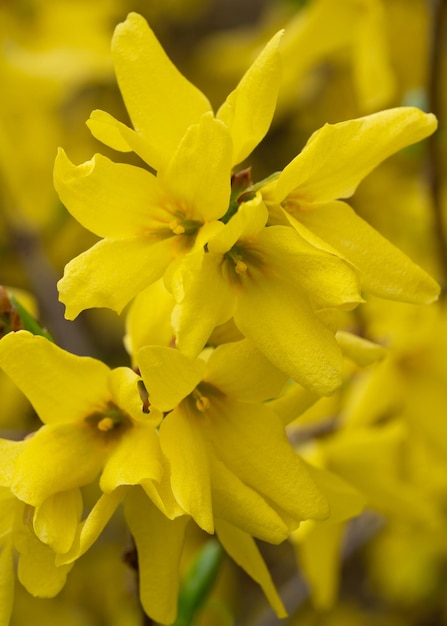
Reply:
x=238, y=291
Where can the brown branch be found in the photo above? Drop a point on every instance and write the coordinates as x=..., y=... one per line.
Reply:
x=436, y=166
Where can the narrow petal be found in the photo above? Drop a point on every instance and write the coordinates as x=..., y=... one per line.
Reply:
x=344, y=500
x=198, y=285
x=57, y=458
x=123, y=383
x=62, y=387
x=90, y=529
x=161, y=495
x=199, y=174
x=148, y=320
x=161, y=102
x=275, y=317
x=248, y=110
x=360, y=350
x=37, y=570
x=241, y=371
x=112, y=272
x=168, y=374
x=384, y=270
x=329, y=281
x=243, y=507
x=106, y=129
x=319, y=556
x=247, y=222
x=159, y=544
x=293, y=403
x=9, y=453
x=7, y=579
x=243, y=550
x=56, y=520
x=109, y=199
x=182, y=443
x=136, y=457
x=251, y=441
x=338, y=156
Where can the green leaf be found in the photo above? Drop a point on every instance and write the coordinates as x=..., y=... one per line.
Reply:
x=198, y=582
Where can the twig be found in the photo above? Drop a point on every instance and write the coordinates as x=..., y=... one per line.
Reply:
x=436, y=169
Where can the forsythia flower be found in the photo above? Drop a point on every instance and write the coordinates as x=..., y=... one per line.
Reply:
x=273, y=283
x=228, y=452
x=147, y=221
x=332, y=164
x=93, y=423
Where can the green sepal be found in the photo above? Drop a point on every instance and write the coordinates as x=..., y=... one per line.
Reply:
x=28, y=321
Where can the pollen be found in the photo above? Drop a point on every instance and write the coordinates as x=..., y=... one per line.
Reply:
x=106, y=424
x=240, y=267
x=202, y=403
x=176, y=227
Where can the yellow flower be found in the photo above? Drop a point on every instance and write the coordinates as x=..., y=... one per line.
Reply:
x=36, y=568
x=147, y=221
x=94, y=424
x=275, y=284
x=332, y=164
x=228, y=452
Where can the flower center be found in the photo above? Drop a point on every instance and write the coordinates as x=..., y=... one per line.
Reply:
x=112, y=420
x=242, y=261
x=201, y=399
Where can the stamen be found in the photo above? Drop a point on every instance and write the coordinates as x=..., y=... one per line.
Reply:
x=176, y=227
x=240, y=267
x=106, y=424
x=201, y=401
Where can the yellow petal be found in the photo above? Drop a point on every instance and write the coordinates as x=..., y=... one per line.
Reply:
x=161, y=102
x=275, y=317
x=241, y=371
x=247, y=222
x=198, y=285
x=162, y=496
x=57, y=458
x=338, y=156
x=373, y=74
x=329, y=281
x=159, y=543
x=243, y=550
x=251, y=441
x=384, y=270
x=248, y=110
x=55, y=521
x=243, y=507
x=169, y=375
x=293, y=402
x=199, y=174
x=106, y=129
x=319, y=556
x=90, y=529
x=110, y=199
x=7, y=579
x=344, y=500
x=359, y=349
x=136, y=457
x=62, y=387
x=9, y=452
x=112, y=272
x=37, y=570
x=123, y=384
x=148, y=320
x=183, y=445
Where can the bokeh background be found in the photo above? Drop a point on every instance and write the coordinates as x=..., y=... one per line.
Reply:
x=385, y=432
